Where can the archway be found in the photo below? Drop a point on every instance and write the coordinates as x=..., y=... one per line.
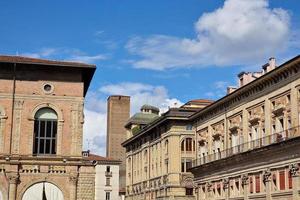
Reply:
x=43, y=191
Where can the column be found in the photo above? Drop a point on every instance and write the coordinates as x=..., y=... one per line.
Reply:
x=13, y=179
x=208, y=190
x=294, y=171
x=245, y=184
x=73, y=179
x=294, y=108
x=267, y=180
x=226, y=188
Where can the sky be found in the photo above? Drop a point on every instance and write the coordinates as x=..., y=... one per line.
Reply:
x=162, y=53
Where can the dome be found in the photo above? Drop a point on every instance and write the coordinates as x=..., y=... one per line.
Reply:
x=149, y=107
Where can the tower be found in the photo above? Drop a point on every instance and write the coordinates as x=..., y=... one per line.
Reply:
x=118, y=113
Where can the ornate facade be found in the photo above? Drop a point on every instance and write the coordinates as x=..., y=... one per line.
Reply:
x=159, y=150
x=41, y=120
x=248, y=142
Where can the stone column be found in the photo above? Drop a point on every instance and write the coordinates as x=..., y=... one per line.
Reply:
x=208, y=191
x=294, y=171
x=13, y=179
x=73, y=179
x=267, y=180
x=226, y=188
x=245, y=184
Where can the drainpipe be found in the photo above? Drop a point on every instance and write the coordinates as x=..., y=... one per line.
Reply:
x=12, y=107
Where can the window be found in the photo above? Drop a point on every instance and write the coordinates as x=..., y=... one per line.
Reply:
x=107, y=195
x=188, y=191
x=45, y=131
x=189, y=143
x=107, y=168
x=189, y=127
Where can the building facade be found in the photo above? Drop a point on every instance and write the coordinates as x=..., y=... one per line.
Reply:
x=248, y=142
x=106, y=177
x=41, y=120
x=159, y=149
x=118, y=112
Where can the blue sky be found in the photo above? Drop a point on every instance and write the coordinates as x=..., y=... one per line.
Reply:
x=159, y=52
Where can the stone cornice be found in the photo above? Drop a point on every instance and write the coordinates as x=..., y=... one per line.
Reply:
x=285, y=72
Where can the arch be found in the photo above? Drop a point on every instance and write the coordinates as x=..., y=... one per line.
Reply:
x=35, y=191
x=46, y=113
x=187, y=144
x=46, y=105
x=60, y=123
x=45, y=132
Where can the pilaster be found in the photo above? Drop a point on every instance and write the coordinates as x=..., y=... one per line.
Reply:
x=294, y=171
x=267, y=180
x=13, y=179
x=73, y=179
x=226, y=188
x=245, y=184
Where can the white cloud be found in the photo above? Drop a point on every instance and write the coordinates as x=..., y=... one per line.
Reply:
x=217, y=90
x=240, y=32
x=95, y=108
x=66, y=54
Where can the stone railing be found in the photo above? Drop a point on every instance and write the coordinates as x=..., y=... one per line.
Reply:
x=248, y=146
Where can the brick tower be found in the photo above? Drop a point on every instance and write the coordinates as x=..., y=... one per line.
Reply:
x=118, y=113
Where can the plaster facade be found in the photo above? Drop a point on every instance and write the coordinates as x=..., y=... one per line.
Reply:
x=158, y=155
x=248, y=141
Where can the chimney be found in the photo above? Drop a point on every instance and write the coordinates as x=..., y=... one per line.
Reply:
x=270, y=65
x=231, y=89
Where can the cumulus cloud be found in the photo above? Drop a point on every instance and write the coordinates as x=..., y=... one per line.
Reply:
x=66, y=54
x=95, y=108
x=240, y=32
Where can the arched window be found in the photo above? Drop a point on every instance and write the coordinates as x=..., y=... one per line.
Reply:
x=45, y=131
x=188, y=145
x=166, y=146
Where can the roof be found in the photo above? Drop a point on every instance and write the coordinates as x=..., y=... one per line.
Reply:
x=141, y=118
x=38, y=61
x=243, y=88
x=171, y=114
x=87, y=69
x=94, y=157
x=149, y=107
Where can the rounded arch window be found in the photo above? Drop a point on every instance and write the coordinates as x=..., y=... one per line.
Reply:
x=44, y=190
x=45, y=131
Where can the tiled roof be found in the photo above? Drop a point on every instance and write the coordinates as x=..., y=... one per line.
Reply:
x=38, y=61
x=93, y=157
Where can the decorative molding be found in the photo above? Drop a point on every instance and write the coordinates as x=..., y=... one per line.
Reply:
x=73, y=178
x=245, y=179
x=225, y=182
x=294, y=169
x=17, y=126
x=13, y=178
x=267, y=175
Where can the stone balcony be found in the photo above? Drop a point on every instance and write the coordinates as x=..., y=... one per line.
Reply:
x=248, y=146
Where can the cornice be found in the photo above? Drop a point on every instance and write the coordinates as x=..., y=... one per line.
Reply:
x=259, y=86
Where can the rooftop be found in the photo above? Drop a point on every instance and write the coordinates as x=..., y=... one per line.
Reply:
x=87, y=70
x=38, y=61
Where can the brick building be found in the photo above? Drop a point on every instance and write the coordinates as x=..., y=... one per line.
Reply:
x=41, y=120
x=118, y=112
